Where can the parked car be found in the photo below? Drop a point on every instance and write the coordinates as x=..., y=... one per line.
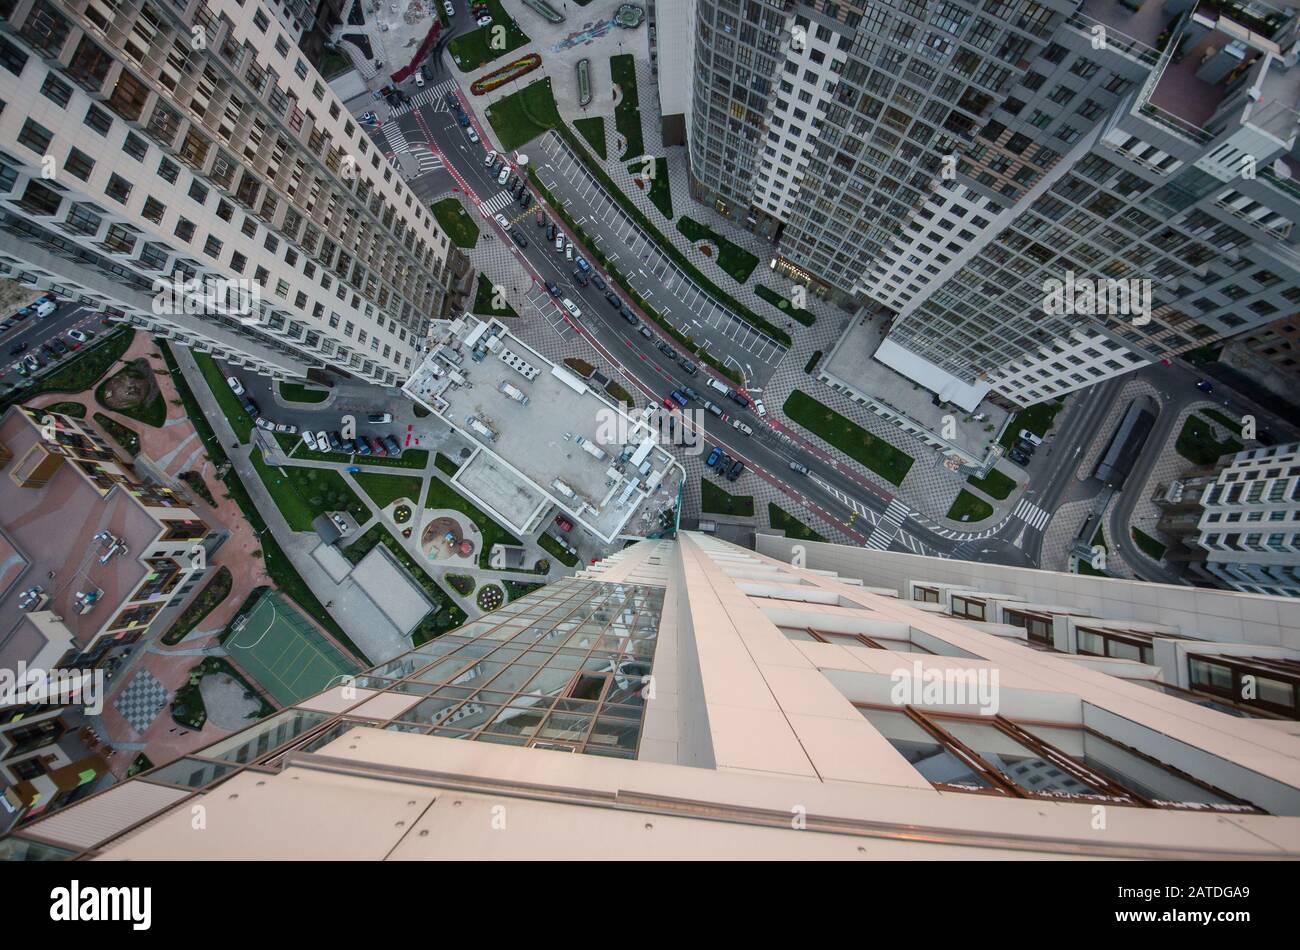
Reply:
x=737, y=467
x=572, y=307
x=563, y=523
x=631, y=318
x=391, y=443
x=376, y=446
x=581, y=278
x=550, y=232
x=679, y=397
x=541, y=217
x=46, y=308
x=447, y=5
x=78, y=335
x=799, y=467
x=502, y=220
x=518, y=238
x=598, y=281
x=670, y=403
x=59, y=347
x=251, y=407
x=309, y=440
x=613, y=300
x=1020, y=458
x=741, y=427
x=17, y=348
x=484, y=21
x=1205, y=386
x=713, y=408
x=264, y=423
x=235, y=385
x=645, y=332
x=667, y=350
x=380, y=418
x=419, y=79
x=286, y=428
x=335, y=440
x=760, y=408
x=471, y=134
x=490, y=157
x=739, y=398
x=504, y=176
x=691, y=394
x=724, y=463
x=689, y=368
x=559, y=243
x=712, y=460
x=1030, y=437
x=362, y=446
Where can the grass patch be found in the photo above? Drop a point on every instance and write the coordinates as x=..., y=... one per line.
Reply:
x=227, y=400
x=969, y=508
x=410, y=458
x=213, y=593
x=888, y=462
x=446, y=613
x=1229, y=423
x=445, y=465
x=627, y=114
x=471, y=50
x=718, y=501
x=994, y=484
x=297, y=392
x=522, y=116
x=141, y=763
x=785, y=305
x=462, y=584
x=386, y=489
x=302, y=494
x=1197, y=444
x=127, y=438
x=74, y=409
x=442, y=495
x=619, y=394
x=812, y=362
x=792, y=526
x=483, y=300
x=195, y=483
x=552, y=547
x=732, y=258
x=593, y=130
x=149, y=409
x=517, y=589
x=1037, y=419
x=278, y=566
x=1148, y=545
x=456, y=221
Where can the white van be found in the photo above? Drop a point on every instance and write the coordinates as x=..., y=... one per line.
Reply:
x=45, y=309
x=720, y=387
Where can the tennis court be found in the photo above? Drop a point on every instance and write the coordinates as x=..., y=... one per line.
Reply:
x=284, y=652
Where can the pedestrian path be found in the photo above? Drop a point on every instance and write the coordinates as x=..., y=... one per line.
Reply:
x=435, y=97
x=888, y=526
x=497, y=202
x=1031, y=514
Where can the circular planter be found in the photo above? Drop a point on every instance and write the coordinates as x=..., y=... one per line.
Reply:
x=490, y=597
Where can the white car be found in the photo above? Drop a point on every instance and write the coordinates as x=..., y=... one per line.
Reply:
x=489, y=158
x=503, y=221
x=760, y=408
x=741, y=427
x=559, y=244
x=1030, y=437
x=265, y=423
x=504, y=176
x=446, y=5
x=286, y=428
x=471, y=134
x=235, y=385
x=78, y=336
x=309, y=439
x=485, y=21
x=419, y=79
x=572, y=307
x=322, y=442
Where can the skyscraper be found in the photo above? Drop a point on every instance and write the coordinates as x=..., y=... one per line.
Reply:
x=688, y=698
x=941, y=163
x=173, y=142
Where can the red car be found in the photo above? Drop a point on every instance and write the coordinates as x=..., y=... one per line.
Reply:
x=671, y=403
x=564, y=523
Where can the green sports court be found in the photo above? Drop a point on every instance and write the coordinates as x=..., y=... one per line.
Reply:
x=284, y=652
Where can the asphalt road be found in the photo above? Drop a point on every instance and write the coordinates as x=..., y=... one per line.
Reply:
x=37, y=330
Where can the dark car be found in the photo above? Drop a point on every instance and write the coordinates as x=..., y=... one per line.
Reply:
x=667, y=350
x=518, y=238
x=1020, y=458
x=348, y=447
x=689, y=368
x=525, y=198
x=19, y=348
x=713, y=408
x=336, y=441
x=739, y=398
x=452, y=100
x=553, y=288
x=737, y=467
x=251, y=407
x=581, y=278
x=613, y=300
x=394, y=448
x=60, y=347
x=463, y=119
x=680, y=397
x=362, y=446
x=1205, y=386
x=541, y=219
x=1023, y=447
x=691, y=394
x=550, y=233
x=724, y=463
x=599, y=282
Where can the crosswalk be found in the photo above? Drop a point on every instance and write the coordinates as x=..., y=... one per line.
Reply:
x=396, y=138
x=435, y=96
x=1031, y=514
x=888, y=526
x=497, y=202
x=428, y=161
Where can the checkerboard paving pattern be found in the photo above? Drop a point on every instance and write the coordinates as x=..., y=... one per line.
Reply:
x=140, y=701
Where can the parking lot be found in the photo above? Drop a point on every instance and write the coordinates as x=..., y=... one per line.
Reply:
x=648, y=269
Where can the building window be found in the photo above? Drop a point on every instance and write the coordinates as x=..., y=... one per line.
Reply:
x=79, y=164
x=965, y=607
x=56, y=90
x=99, y=120
x=1118, y=644
x=1265, y=684
x=119, y=189
x=153, y=209
x=185, y=229
x=35, y=136
x=135, y=146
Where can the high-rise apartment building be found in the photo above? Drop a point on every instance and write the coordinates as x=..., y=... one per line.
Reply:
x=688, y=698
x=943, y=162
x=1238, y=526
x=146, y=142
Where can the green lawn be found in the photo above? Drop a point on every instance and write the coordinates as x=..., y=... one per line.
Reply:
x=303, y=493
x=1149, y=545
x=549, y=545
x=717, y=501
x=74, y=409
x=967, y=507
x=994, y=484
x=593, y=130
x=442, y=495
x=782, y=520
x=813, y=360
x=152, y=411
x=627, y=114
x=472, y=50
x=386, y=489
x=122, y=435
x=806, y=317
x=619, y=394
x=522, y=116
x=227, y=400
x=297, y=392
x=456, y=221
x=1229, y=423
x=445, y=465
x=732, y=258
x=846, y=435
x=483, y=300
x=1197, y=443
x=1037, y=419
x=446, y=613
